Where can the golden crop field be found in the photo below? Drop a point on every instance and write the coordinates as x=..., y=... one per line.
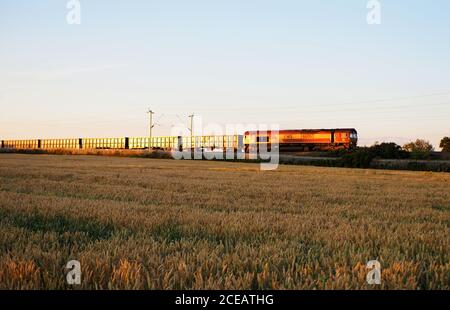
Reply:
x=164, y=224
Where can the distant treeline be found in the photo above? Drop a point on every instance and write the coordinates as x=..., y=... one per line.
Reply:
x=418, y=156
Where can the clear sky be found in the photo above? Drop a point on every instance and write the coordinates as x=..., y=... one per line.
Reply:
x=301, y=64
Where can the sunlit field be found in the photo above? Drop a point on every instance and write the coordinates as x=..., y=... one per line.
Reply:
x=163, y=224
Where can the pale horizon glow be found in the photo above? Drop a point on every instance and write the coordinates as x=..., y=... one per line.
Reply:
x=298, y=64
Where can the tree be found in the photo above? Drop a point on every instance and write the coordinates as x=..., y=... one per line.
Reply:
x=388, y=151
x=419, y=149
x=419, y=146
x=445, y=144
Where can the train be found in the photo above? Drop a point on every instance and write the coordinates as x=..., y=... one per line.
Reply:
x=284, y=140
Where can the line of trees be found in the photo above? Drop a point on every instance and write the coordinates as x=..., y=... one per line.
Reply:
x=425, y=147
x=419, y=149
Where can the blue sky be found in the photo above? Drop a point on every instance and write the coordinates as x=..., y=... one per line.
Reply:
x=299, y=64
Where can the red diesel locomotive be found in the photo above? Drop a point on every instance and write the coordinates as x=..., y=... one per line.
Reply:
x=303, y=139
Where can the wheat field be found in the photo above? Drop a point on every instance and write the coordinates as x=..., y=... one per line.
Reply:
x=163, y=224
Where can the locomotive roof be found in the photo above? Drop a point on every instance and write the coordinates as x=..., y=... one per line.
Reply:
x=286, y=131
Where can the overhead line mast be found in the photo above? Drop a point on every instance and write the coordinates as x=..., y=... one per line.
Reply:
x=151, y=125
x=191, y=129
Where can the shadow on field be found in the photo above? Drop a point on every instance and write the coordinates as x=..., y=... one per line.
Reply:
x=94, y=231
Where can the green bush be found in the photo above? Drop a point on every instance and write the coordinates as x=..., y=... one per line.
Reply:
x=360, y=158
x=420, y=155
